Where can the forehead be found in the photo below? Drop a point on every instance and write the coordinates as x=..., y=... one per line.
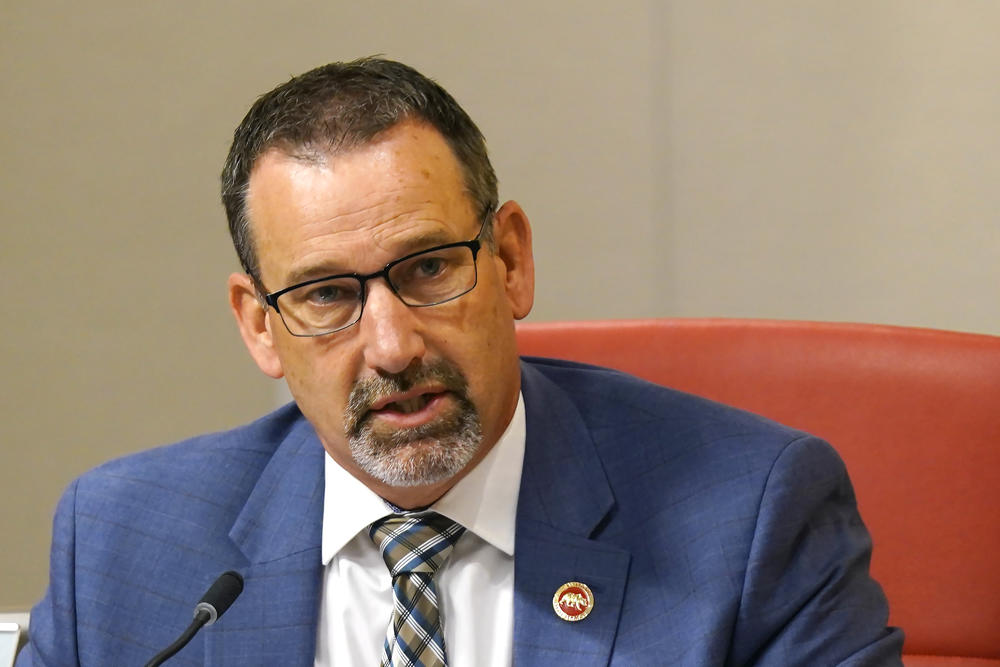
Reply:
x=357, y=210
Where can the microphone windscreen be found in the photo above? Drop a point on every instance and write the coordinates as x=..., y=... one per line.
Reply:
x=224, y=591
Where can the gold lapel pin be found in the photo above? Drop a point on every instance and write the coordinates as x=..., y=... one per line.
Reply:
x=573, y=601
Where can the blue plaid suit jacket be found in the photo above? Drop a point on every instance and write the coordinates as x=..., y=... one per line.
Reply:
x=709, y=536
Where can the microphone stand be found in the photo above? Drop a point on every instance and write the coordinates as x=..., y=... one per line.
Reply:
x=201, y=617
x=213, y=604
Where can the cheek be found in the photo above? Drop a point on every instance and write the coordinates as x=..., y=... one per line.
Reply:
x=318, y=380
x=485, y=345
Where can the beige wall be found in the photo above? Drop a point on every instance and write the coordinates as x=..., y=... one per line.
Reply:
x=823, y=160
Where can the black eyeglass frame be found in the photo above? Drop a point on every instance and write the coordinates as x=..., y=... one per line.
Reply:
x=475, y=245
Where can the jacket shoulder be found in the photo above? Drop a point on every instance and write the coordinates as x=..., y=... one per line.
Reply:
x=613, y=401
x=232, y=452
x=185, y=491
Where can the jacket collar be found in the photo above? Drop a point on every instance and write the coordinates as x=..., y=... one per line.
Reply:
x=284, y=512
x=564, y=498
x=279, y=531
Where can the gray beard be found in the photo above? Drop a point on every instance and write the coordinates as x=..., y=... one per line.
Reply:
x=422, y=455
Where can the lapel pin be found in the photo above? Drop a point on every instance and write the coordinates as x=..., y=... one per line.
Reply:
x=573, y=601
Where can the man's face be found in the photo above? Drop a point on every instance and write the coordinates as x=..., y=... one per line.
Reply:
x=407, y=399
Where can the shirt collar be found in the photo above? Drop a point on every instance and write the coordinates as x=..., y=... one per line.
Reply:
x=484, y=501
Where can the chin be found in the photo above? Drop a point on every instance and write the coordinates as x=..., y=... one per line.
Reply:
x=420, y=462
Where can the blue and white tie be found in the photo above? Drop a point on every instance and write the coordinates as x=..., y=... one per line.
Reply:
x=414, y=547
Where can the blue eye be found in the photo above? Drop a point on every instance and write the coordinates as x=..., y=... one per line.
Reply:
x=324, y=294
x=429, y=267
x=329, y=294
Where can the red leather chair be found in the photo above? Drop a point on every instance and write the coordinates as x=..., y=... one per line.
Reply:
x=915, y=413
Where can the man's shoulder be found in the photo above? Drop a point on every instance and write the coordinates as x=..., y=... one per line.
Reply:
x=732, y=523
x=610, y=399
x=639, y=428
x=231, y=458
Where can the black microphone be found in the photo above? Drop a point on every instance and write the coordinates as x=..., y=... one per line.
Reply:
x=212, y=605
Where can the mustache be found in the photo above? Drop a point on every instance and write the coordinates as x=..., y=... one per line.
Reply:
x=367, y=391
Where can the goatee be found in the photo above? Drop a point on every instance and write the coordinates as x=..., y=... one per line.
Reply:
x=421, y=455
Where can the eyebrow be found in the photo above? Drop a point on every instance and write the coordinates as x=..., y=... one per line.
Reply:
x=424, y=241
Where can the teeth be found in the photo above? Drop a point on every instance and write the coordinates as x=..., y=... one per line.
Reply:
x=411, y=404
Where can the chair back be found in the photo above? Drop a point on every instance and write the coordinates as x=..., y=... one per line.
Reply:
x=915, y=414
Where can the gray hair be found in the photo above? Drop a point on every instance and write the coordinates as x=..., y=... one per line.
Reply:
x=341, y=106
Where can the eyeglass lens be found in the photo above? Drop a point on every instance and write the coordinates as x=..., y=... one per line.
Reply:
x=425, y=279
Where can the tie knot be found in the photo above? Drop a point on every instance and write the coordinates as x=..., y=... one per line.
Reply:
x=415, y=543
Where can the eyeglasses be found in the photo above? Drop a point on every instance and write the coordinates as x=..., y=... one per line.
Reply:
x=426, y=278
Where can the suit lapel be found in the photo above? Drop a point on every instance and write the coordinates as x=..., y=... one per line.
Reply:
x=279, y=531
x=564, y=497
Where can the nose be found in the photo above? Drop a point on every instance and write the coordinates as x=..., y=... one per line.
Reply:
x=390, y=331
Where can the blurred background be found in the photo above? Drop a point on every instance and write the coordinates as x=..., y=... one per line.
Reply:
x=806, y=160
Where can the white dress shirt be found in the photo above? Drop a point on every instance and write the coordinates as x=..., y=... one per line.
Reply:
x=475, y=585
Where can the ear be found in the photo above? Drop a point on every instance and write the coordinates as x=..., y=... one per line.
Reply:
x=512, y=233
x=254, y=323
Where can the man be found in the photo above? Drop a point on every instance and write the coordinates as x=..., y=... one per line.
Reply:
x=568, y=514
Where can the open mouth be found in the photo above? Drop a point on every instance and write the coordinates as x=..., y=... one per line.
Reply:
x=421, y=397
x=409, y=405
x=417, y=404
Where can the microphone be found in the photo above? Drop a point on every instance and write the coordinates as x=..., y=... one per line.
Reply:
x=220, y=596
x=213, y=604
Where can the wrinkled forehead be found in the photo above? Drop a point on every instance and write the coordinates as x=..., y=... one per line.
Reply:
x=385, y=197
x=411, y=134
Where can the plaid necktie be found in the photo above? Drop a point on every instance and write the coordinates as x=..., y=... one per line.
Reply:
x=414, y=548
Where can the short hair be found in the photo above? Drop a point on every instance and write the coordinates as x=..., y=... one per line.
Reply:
x=341, y=106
